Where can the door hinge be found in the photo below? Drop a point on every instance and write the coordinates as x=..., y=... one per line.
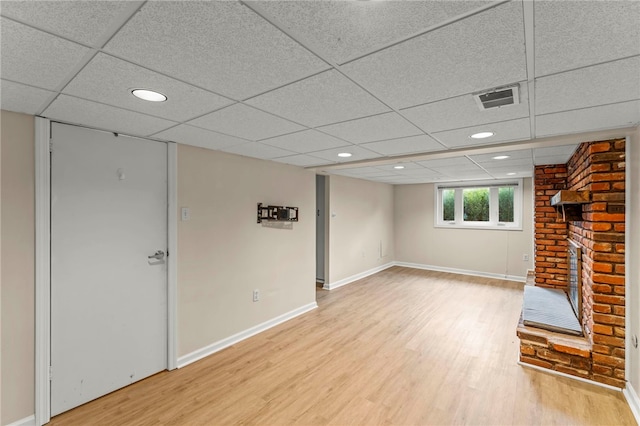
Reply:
x=50, y=146
x=50, y=373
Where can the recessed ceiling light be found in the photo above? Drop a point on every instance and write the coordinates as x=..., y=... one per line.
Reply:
x=511, y=174
x=500, y=157
x=148, y=95
x=398, y=167
x=482, y=135
x=344, y=154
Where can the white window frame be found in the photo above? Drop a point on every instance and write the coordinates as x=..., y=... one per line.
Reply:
x=493, y=222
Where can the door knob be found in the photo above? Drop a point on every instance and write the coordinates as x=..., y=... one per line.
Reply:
x=159, y=255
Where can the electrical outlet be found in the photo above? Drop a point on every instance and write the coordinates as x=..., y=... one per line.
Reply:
x=525, y=257
x=256, y=295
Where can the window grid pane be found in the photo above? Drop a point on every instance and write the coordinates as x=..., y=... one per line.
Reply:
x=476, y=204
x=448, y=204
x=505, y=204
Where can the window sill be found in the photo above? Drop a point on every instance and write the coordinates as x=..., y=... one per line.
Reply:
x=485, y=227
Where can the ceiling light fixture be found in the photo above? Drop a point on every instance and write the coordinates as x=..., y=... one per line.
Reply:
x=148, y=95
x=398, y=167
x=511, y=174
x=482, y=135
x=344, y=154
x=500, y=157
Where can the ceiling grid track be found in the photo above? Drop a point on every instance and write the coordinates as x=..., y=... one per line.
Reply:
x=316, y=51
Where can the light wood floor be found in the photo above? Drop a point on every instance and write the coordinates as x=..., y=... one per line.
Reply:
x=401, y=347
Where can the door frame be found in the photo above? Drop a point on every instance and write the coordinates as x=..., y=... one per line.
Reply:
x=43, y=265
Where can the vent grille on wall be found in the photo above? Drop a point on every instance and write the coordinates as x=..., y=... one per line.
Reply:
x=498, y=98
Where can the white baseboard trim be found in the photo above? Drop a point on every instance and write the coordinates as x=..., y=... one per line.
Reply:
x=631, y=396
x=461, y=271
x=238, y=337
x=27, y=421
x=569, y=376
x=356, y=277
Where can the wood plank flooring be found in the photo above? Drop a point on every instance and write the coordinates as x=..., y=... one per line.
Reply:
x=403, y=346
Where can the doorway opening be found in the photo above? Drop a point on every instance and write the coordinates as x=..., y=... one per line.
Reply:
x=321, y=227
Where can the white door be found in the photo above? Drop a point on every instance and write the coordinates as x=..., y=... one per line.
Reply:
x=108, y=298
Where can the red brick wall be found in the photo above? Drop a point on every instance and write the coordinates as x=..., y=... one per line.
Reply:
x=598, y=167
x=550, y=231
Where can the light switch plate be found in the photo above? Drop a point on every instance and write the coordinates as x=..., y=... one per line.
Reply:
x=186, y=214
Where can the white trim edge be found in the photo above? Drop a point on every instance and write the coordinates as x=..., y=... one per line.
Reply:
x=43, y=271
x=631, y=396
x=568, y=376
x=461, y=271
x=238, y=337
x=27, y=421
x=172, y=258
x=356, y=277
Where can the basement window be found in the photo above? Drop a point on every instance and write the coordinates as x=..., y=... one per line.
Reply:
x=479, y=205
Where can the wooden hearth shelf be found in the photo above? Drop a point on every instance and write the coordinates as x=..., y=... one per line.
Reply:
x=565, y=197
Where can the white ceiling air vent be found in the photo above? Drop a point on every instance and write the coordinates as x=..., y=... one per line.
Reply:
x=497, y=98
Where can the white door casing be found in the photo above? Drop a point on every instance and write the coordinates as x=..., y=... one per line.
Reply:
x=108, y=299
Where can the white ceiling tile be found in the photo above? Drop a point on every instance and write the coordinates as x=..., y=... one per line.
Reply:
x=117, y=78
x=406, y=164
x=463, y=111
x=507, y=166
x=473, y=54
x=505, y=131
x=410, y=145
x=447, y=162
x=301, y=160
x=572, y=34
x=246, y=122
x=589, y=86
x=36, y=58
x=624, y=114
x=257, y=150
x=357, y=153
x=359, y=171
x=511, y=174
x=346, y=29
x=422, y=172
x=325, y=98
x=551, y=159
x=371, y=175
x=306, y=141
x=222, y=46
x=20, y=98
x=521, y=154
x=82, y=21
x=404, y=180
x=79, y=111
x=562, y=151
x=465, y=174
x=375, y=128
x=189, y=135
x=517, y=169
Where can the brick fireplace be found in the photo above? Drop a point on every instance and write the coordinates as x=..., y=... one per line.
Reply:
x=598, y=228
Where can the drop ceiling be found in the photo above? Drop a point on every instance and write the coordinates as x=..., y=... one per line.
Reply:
x=298, y=82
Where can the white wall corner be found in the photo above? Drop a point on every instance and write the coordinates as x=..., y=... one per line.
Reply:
x=27, y=421
x=356, y=277
x=172, y=259
x=43, y=270
x=462, y=271
x=632, y=399
x=238, y=337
